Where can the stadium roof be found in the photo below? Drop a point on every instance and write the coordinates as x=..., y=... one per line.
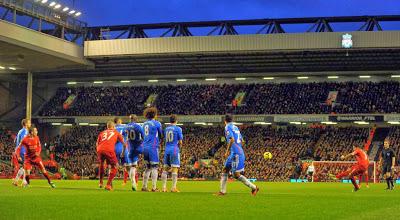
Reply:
x=131, y=51
x=24, y=50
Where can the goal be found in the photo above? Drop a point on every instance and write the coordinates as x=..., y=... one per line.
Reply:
x=323, y=168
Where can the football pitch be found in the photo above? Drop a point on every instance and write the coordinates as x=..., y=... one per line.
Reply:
x=83, y=200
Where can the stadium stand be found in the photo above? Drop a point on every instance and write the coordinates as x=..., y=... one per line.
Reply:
x=284, y=98
x=6, y=149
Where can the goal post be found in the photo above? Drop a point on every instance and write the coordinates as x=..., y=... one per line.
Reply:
x=322, y=169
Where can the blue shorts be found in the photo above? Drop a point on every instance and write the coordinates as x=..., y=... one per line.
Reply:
x=235, y=163
x=133, y=155
x=118, y=150
x=151, y=155
x=172, y=159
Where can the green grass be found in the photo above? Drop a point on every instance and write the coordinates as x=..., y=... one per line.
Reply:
x=83, y=200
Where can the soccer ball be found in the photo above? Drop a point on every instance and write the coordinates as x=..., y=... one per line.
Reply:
x=267, y=155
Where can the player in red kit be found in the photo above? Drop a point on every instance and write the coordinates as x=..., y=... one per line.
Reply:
x=106, y=152
x=32, y=156
x=358, y=169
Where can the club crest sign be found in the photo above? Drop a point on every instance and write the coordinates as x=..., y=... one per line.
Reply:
x=347, y=42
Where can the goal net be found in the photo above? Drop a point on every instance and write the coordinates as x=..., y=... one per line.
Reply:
x=322, y=169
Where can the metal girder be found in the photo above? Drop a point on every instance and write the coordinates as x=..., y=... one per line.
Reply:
x=224, y=28
x=322, y=25
x=36, y=11
x=181, y=30
x=272, y=27
x=227, y=29
x=136, y=32
x=267, y=26
x=370, y=25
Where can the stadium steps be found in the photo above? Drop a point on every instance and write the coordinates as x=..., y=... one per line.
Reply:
x=6, y=163
x=377, y=142
x=374, y=149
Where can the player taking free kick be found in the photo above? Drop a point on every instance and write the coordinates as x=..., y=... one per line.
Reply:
x=358, y=169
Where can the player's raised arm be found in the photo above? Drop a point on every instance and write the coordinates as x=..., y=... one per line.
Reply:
x=345, y=157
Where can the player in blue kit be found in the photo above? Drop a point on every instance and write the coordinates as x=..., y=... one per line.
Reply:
x=235, y=157
x=173, y=142
x=151, y=144
x=19, y=171
x=119, y=146
x=135, y=135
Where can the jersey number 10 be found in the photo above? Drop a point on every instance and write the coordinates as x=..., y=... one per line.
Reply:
x=170, y=136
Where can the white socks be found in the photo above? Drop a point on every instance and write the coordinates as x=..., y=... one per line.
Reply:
x=164, y=177
x=20, y=174
x=246, y=182
x=224, y=179
x=132, y=176
x=174, y=180
x=146, y=177
x=154, y=177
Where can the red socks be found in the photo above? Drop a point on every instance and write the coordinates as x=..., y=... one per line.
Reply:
x=113, y=172
x=47, y=177
x=101, y=173
x=126, y=175
x=354, y=183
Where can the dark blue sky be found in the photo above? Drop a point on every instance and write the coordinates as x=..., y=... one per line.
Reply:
x=111, y=12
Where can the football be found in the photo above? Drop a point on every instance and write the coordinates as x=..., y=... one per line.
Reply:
x=267, y=155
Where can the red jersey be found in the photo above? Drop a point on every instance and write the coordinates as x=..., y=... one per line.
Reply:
x=32, y=146
x=107, y=140
x=361, y=157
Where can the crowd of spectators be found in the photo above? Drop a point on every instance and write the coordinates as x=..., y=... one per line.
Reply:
x=279, y=98
x=6, y=148
x=75, y=149
x=337, y=141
